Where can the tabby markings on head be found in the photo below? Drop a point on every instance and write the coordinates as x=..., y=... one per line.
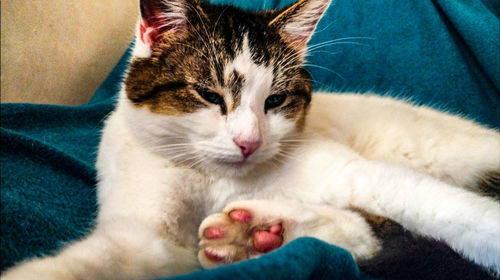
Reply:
x=232, y=56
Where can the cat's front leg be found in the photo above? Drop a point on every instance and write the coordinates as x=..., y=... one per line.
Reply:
x=248, y=229
x=124, y=249
x=146, y=226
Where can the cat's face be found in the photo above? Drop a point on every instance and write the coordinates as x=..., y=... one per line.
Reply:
x=218, y=88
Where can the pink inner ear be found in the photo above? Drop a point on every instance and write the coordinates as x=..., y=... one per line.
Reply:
x=148, y=34
x=158, y=17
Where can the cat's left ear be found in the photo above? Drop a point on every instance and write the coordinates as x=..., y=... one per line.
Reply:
x=160, y=19
x=297, y=22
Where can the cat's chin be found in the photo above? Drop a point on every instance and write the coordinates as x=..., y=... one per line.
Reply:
x=234, y=169
x=231, y=168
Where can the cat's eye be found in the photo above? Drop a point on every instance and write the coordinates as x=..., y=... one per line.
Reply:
x=274, y=101
x=211, y=97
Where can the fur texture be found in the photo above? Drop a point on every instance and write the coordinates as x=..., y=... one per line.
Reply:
x=212, y=119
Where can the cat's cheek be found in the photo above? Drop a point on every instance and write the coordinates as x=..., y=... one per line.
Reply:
x=279, y=127
x=205, y=122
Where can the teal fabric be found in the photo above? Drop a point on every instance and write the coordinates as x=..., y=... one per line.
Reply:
x=304, y=258
x=441, y=53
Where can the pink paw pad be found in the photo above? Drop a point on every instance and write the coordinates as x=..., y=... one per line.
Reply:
x=240, y=215
x=213, y=233
x=213, y=256
x=265, y=241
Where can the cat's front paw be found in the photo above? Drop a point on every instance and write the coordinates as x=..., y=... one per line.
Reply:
x=237, y=234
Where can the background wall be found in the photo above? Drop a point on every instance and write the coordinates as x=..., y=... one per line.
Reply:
x=59, y=51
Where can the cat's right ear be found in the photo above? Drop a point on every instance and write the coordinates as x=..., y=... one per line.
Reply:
x=296, y=23
x=159, y=19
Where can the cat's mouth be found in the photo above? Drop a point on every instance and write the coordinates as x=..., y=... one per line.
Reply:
x=233, y=164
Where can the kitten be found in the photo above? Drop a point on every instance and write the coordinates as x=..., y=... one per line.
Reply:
x=210, y=128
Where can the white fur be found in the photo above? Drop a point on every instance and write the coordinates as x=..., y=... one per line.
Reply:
x=246, y=121
x=159, y=176
x=298, y=220
x=141, y=49
x=141, y=187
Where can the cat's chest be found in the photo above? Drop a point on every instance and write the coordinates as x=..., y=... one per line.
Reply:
x=278, y=185
x=223, y=191
x=318, y=176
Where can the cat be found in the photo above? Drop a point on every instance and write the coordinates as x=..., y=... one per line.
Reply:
x=218, y=152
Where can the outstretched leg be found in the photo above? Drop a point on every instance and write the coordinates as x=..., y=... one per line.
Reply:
x=248, y=229
x=122, y=250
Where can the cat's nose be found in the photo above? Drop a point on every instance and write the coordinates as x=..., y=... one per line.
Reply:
x=247, y=146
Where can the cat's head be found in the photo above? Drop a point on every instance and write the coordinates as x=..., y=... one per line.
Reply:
x=219, y=88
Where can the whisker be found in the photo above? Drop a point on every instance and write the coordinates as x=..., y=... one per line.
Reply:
x=324, y=68
x=199, y=51
x=217, y=21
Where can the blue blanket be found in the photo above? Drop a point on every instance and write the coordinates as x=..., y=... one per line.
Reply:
x=441, y=53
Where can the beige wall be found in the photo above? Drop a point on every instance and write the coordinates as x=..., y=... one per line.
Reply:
x=59, y=51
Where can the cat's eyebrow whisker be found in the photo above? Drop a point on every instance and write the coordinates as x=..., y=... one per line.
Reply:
x=205, y=42
x=217, y=21
x=200, y=18
x=332, y=44
x=341, y=40
x=291, y=57
x=323, y=51
x=317, y=66
x=326, y=69
x=282, y=83
x=288, y=59
x=189, y=46
x=326, y=27
x=209, y=38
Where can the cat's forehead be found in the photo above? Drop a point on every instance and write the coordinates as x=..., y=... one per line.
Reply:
x=246, y=79
x=235, y=54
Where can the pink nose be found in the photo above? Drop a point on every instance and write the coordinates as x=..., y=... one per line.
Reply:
x=247, y=146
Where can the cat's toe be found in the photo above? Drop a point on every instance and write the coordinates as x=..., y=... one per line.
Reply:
x=213, y=255
x=265, y=241
x=240, y=215
x=236, y=235
x=265, y=238
x=216, y=255
x=213, y=232
x=220, y=237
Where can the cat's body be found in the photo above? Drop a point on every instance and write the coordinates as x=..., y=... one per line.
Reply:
x=175, y=152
